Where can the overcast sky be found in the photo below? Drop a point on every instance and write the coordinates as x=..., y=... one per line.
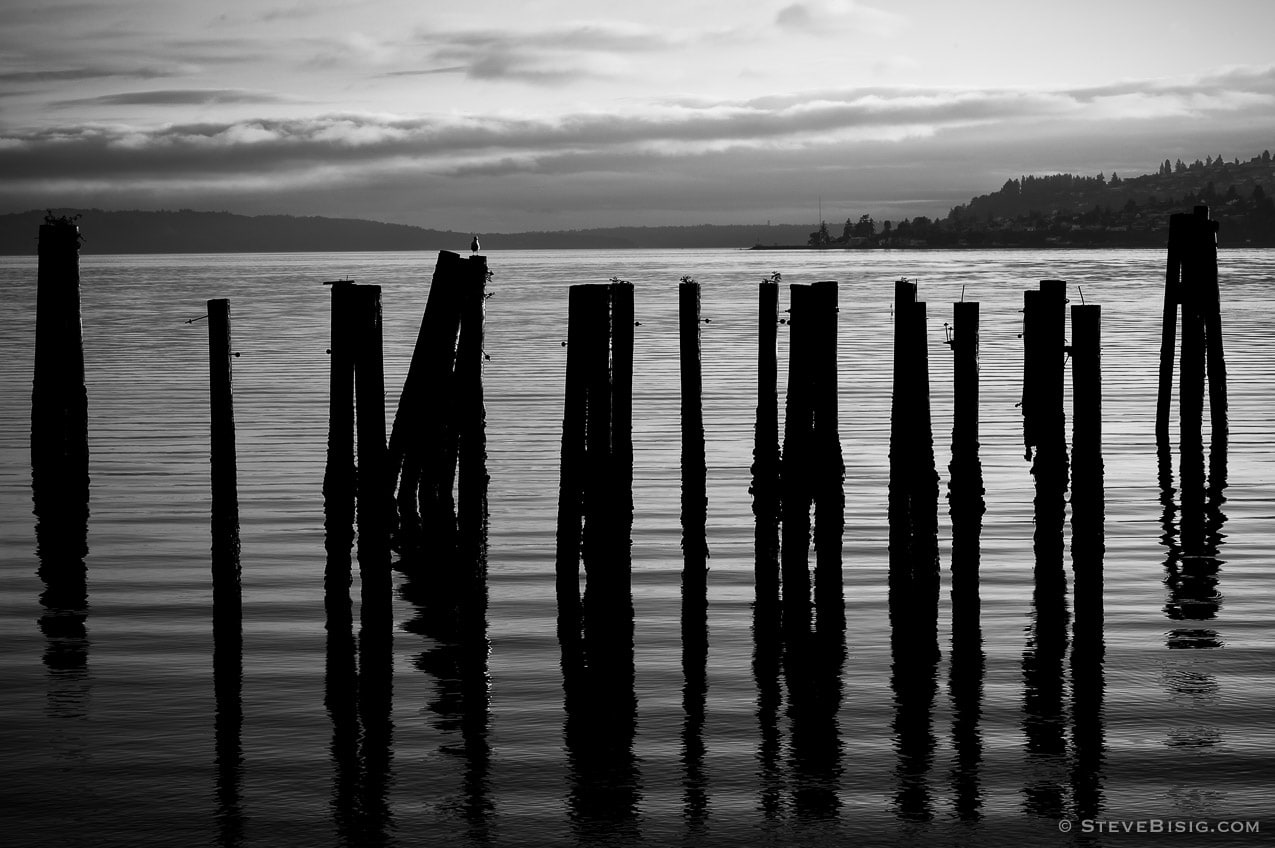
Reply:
x=491, y=116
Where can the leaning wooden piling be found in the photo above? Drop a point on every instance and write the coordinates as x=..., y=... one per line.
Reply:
x=422, y=452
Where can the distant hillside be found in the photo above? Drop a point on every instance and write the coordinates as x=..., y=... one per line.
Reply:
x=1058, y=210
x=186, y=231
x=1067, y=210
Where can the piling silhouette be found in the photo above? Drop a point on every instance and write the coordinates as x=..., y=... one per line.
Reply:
x=812, y=470
x=766, y=458
x=226, y=577
x=967, y=507
x=912, y=506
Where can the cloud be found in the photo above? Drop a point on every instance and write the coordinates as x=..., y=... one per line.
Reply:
x=546, y=56
x=79, y=74
x=838, y=17
x=873, y=137
x=174, y=97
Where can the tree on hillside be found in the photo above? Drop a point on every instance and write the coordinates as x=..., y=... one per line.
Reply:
x=820, y=237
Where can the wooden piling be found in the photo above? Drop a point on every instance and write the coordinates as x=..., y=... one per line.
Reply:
x=913, y=495
x=965, y=482
x=1087, y=493
x=602, y=580
x=795, y=474
x=828, y=470
x=899, y=501
x=375, y=500
x=965, y=380
x=339, y=474
x=694, y=470
x=422, y=453
x=471, y=414
x=1192, y=367
x=766, y=460
x=1178, y=224
x=1204, y=268
x=924, y=478
x=59, y=399
x=225, y=497
x=623, y=321
x=573, y=464
x=1044, y=352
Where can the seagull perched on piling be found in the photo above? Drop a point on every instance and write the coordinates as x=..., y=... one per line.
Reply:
x=474, y=247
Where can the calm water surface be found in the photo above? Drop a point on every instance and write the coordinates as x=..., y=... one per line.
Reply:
x=114, y=735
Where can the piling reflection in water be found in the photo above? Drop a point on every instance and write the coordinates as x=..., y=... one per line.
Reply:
x=358, y=695
x=228, y=675
x=451, y=610
x=61, y=548
x=1193, y=536
x=599, y=731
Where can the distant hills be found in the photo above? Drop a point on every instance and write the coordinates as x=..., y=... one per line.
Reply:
x=1059, y=210
x=187, y=231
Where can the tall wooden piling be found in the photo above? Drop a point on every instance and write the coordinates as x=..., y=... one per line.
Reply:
x=623, y=321
x=59, y=399
x=601, y=580
x=574, y=459
x=812, y=470
x=766, y=460
x=471, y=413
x=1087, y=492
x=899, y=501
x=1044, y=423
x=965, y=380
x=965, y=484
x=913, y=495
x=422, y=453
x=373, y=483
x=694, y=470
x=795, y=475
x=1169, y=324
x=339, y=474
x=225, y=497
x=829, y=467
x=1191, y=280
x=597, y=471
